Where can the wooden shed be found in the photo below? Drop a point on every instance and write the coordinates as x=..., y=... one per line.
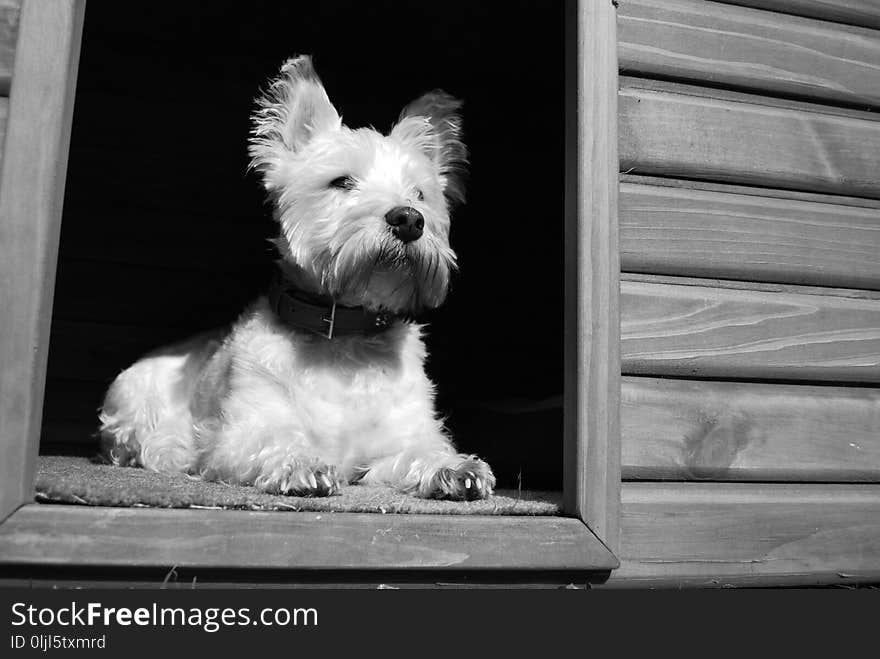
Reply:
x=692, y=201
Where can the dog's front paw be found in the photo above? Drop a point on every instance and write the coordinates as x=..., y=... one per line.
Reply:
x=304, y=479
x=471, y=479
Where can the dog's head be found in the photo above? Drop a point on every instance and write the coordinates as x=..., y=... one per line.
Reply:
x=364, y=216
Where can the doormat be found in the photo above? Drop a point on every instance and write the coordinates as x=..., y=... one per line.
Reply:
x=79, y=480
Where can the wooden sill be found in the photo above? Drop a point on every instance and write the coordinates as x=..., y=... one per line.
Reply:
x=54, y=536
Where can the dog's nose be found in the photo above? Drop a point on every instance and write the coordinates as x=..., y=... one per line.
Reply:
x=406, y=223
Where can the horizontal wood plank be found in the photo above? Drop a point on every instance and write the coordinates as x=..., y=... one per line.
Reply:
x=765, y=287
x=737, y=139
x=751, y=191
x=709, y=331
x=747, y=48
x=734, y=96
x=126, y=537
x=692, y=430
x=854, y=12
x=719, y=534
x=10, y=11
x=691, y=232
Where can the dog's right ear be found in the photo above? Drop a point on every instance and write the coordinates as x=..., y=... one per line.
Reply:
x=293, y=110
x=433, y=123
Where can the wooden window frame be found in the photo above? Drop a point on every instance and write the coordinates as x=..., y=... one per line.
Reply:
x=35, y=538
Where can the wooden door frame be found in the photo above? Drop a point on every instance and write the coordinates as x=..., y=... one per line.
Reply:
x=31, y=196
x=592, y=272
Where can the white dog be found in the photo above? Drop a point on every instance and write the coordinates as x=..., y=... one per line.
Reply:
x=322, y=381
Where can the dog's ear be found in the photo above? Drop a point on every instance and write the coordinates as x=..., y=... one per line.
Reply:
x=294, y=109
x=433, y=123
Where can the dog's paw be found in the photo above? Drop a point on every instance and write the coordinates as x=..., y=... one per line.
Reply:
x=471, y=479
x=305, y=479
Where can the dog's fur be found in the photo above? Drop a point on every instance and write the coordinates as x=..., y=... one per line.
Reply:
x=291, y=411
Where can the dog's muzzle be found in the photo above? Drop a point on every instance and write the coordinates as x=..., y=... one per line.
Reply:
x=407, y=224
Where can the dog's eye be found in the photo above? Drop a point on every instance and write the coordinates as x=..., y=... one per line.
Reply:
x=420, y=195
x=343, y=183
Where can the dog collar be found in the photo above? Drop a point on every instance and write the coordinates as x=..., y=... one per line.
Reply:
x=322, y=315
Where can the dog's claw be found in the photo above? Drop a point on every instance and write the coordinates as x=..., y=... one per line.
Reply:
x=463, y=483
x=306, y=479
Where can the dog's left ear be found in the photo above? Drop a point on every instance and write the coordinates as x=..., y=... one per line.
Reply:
x=293, y=110
x=433, y=123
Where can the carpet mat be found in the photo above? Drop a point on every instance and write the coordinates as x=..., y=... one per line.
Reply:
x=69, y=479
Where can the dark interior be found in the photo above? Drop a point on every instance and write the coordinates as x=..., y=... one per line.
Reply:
x=165, y=232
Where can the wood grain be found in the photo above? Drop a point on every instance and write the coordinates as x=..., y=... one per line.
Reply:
x=718, y=534
x=698, y=430
x=690, y=232
x=665, y=132
x=220, y=539
x=10, y=11
x=4, y=117
x=31, y=196
x=746, y=48
x=854, y=12
x=592, y=269
x=706, y=331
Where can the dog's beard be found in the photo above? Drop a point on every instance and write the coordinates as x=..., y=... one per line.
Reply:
x=379, y=271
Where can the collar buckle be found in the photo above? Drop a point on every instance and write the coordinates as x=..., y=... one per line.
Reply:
x=331, y=322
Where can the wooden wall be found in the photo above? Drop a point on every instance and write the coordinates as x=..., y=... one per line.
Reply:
x=750, y=301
